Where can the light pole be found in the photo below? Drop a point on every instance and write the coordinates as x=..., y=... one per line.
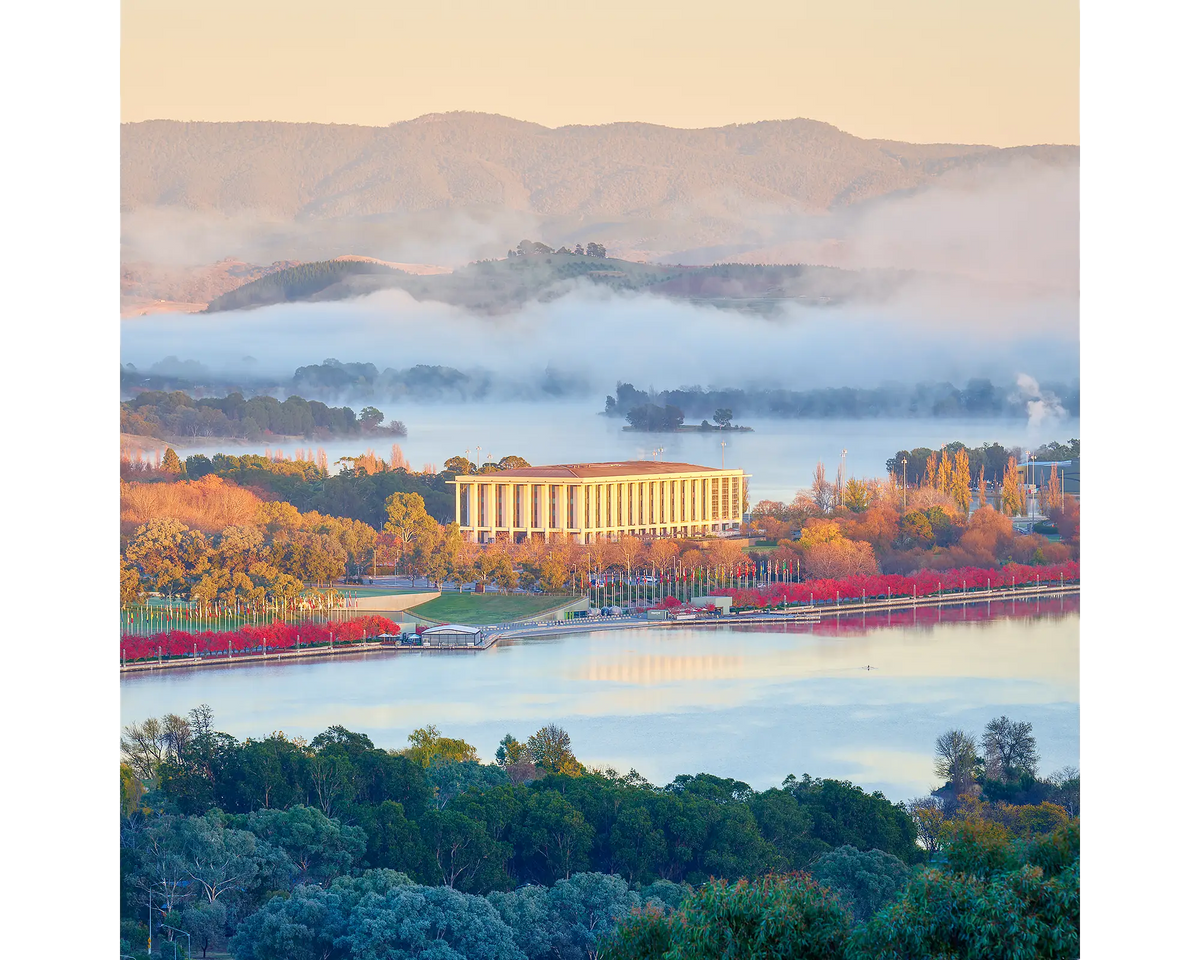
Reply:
x=722, y=454
x=186, y=934
x=842, y=481
x=904, y=488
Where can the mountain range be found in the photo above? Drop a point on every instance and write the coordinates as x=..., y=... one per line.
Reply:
x=447, y=188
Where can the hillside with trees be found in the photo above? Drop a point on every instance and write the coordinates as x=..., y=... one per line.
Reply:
x=691, y=185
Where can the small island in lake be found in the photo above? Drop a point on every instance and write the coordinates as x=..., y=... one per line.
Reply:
x=651, y=418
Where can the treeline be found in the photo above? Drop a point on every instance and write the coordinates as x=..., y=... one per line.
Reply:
x=358, y=491
x=529, y=248
x=333, y=380
x=979, y=398
x=175, y=415
x=362, y=852
x=921, y=465
x=295, y=283
x=849, y=527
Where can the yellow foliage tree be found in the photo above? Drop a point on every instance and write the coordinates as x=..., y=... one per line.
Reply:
x=960, y=479
x=931, y=467
x=944, y=473
x=1012, y=498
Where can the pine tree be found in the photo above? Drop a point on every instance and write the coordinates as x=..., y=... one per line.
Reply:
x=171, y=462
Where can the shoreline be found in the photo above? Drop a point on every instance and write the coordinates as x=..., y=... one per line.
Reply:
x=805, y=613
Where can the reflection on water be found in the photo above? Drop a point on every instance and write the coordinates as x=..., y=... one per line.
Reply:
x=755, y=703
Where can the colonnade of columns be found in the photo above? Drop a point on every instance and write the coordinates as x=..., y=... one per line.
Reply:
x=590, y=509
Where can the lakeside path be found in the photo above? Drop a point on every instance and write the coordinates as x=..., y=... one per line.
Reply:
x=531, y=629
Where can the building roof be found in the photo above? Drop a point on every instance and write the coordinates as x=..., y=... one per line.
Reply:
x=453, y=628
x=584, y=471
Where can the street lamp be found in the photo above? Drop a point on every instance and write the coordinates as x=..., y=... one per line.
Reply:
x=185, y=933
x=904, y=488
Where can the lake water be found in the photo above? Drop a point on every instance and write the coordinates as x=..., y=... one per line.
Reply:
x=753, y=703
x=780, y=454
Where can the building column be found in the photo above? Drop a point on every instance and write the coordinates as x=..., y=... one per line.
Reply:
x=510, y=521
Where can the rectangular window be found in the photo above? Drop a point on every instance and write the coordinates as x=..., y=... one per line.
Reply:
x=714, y=499
x=724, y=498
x=620, y=504
x=673, y=483
x=464, y=500
x=608, y=504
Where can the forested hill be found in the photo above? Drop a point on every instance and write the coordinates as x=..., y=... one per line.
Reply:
x=468, y=160
x=498, y=285
x=296, y=283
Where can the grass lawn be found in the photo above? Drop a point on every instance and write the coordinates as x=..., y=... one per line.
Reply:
x=487, y=608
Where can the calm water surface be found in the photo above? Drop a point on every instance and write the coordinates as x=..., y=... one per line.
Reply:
x=754, y=703
x=779, y=454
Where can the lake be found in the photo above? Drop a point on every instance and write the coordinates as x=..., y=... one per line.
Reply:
x=754, y=702
x=779, y=455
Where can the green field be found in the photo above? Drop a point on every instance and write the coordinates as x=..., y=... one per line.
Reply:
x=488, y=608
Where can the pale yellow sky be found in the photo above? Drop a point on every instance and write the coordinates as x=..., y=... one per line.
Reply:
x=1003, y=72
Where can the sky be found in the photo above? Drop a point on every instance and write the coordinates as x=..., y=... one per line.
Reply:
x=1002, y=72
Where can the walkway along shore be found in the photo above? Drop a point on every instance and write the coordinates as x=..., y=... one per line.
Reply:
x=529, y=629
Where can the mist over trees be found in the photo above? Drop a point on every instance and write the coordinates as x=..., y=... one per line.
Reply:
x=978, y=398
x=175, y=415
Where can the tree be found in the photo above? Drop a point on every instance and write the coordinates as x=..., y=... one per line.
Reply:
x=509, y=751
x=550, y=749
x=596, y=250
x=858, y=495
x=929, y=815
x=428, y=744
x=143, y=748
x=723, y=417
x=1012, y=904
x=459, y=466
x=821, y=490
x=131, y=585
x=555, y=834
x=862, y=881
x=1010, y=749
x=776, y=917
x=370, y=418
x=578, y=250
x=960, y=479
x=407, y=517
x=465, y=853
x=955, y=759
x=171, y=462
x=319, y=849
x=1012, y=499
